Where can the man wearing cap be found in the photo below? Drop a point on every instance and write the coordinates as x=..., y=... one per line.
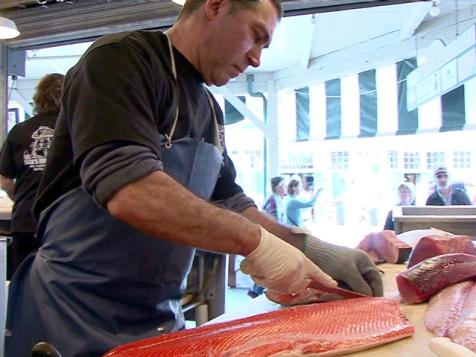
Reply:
x=446, y=194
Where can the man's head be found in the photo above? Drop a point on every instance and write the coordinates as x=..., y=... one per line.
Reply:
x=191, y=5
x=441, y=177
x=221, y=38
x=47, y=96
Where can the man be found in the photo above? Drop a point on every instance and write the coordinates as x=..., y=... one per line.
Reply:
x=138, y=153
x=446, y=194
x=22, y=163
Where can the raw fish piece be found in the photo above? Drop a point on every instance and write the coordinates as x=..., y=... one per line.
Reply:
x=463, y=330
x=452, y=313
x=384, y=246
x=328, y=329
x=432, y=246
x=445, y=307
x=432, y=275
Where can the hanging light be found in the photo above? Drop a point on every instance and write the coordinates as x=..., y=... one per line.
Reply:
x=180, y=2
x=8, y=29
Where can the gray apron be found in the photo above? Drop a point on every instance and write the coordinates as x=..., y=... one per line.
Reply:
x=96, y=282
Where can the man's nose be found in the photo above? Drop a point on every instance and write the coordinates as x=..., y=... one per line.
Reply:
x=254, y=56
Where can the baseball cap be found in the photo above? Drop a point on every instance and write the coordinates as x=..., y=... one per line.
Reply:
x=441, y=171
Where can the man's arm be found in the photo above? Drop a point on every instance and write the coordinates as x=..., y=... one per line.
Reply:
x=159, y=206
x=8, y=185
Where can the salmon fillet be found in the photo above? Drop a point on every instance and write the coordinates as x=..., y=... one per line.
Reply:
x=329, y=329
x=452, y=313
x=432, y=275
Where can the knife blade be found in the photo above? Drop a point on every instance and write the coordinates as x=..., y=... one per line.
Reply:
x=338, y=291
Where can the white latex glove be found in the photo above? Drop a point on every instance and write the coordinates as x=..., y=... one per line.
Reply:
x=279, y=266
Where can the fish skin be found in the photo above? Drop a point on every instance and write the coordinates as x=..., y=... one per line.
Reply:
x=452, y=313
x=357, y=324
x=434, y=245
x=432, y=275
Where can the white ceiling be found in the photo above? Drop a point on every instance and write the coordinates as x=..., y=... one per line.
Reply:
x=311, y=47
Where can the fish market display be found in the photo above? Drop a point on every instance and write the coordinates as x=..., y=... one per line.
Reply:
x=432, y=275
x=432, y=246
x=384, y=246
x=328, y=329
x=452, y=313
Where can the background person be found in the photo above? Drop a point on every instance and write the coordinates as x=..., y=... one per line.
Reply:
x=406, y=194
x=137, y=157
x=446, y=194
x=275, y=204
x=22, y=162
x=294, y=204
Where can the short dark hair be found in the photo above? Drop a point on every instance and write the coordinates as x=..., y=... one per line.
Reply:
x=275, y=181
x=47, y=96
x=191, y=5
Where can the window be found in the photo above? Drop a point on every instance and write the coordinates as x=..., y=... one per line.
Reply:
x=411, y=160
x=339, y=160
x=392, y=159
x=435, y=159
x=461, y=159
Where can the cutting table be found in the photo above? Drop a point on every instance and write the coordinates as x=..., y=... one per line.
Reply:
x=417, y=345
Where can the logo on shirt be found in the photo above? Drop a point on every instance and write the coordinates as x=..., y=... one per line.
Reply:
x=35, y=157
x=221, y=136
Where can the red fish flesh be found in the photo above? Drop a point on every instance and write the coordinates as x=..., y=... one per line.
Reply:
x=452, y=313
x=309, y=296
x=432, y=246
x=328, y=329
x=384, y=246
x=432, y=275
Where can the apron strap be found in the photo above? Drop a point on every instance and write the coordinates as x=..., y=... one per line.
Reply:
x=170, y=135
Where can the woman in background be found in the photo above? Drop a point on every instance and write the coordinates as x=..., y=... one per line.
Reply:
x=406, y=192
x=295, y=204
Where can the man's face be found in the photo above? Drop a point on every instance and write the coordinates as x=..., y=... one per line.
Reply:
x=234, y=40
x=441, y=180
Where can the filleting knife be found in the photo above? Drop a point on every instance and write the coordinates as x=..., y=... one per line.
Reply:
x=338, y=291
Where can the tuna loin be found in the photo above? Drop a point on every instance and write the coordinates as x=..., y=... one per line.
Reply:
x=432, y=275
x=452, y=313
x=328, y=329
x=431, y=246
x=384, y=246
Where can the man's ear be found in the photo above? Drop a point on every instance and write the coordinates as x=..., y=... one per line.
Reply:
x=213, y=7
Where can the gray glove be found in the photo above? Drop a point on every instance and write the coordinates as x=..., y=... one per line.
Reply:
x=351, y=266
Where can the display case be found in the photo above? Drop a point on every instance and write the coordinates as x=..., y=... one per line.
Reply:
x=453, y=219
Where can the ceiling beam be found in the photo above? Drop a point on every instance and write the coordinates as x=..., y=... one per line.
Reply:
x=64, y=22
x=8, y=4
x=373, y=54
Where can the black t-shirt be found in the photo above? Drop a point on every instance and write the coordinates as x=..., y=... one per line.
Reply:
x=123, y=90
x=23, y=158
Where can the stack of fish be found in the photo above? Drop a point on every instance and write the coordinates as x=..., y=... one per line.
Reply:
x=449, y=280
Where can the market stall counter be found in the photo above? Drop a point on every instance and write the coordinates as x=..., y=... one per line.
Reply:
x=417, y=345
